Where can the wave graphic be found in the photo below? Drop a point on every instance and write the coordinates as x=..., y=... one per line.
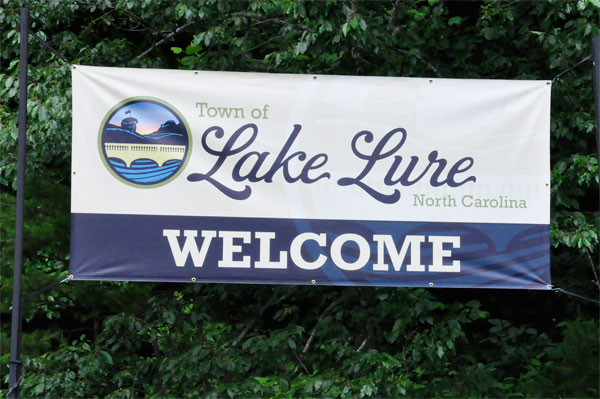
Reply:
x=145, y=170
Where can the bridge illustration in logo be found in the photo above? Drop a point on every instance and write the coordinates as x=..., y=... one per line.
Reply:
x=147, y=149
x=129, y=153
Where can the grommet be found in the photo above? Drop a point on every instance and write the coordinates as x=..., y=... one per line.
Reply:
x=313, y=282
x=74, y=172
x=314, y=78
x=193, y=279
x=549, y=286
x=431, y=284
x=547, y=185
x=196, y=73
x=74, y=67
x=548, y=83
x=430, y=80
x=71, y=276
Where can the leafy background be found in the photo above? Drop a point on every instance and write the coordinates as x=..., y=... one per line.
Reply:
x=100, y=339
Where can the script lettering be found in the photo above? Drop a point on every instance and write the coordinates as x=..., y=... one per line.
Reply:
x=382, y=150
x=294, y=167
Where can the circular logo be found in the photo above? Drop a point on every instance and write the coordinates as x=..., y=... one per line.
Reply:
x=144, y=142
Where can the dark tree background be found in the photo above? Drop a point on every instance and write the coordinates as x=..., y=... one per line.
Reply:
x=123, y=340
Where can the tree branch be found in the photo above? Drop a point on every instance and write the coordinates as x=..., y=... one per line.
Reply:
x=314, y=330
x=361, y=347
x=164, y=39
x=394, y=15
x=280, y=21
x=597, y=281
x=423, y=60
x=301, y=363
x=133, y=384
x=251, y=324
x=259, y=67
x=139, y=20
x=268, y=41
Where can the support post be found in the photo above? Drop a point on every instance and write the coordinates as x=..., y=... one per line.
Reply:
x=15, y=365
x=596, y=59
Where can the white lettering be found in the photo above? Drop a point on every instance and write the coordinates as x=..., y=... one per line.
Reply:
x=229, y=249
x=397, y=257
x=180, y=255
x=439, y=253
x=363, y=252
x=296, y=250
x=264, y=260
x=233, y=251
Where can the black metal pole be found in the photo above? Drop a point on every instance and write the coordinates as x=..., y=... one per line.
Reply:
x=15, y=365
x=596, y=59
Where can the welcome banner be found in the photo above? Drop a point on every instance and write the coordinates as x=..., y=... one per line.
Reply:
x=309, y=179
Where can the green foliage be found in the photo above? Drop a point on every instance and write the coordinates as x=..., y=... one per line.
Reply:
x=159, y=340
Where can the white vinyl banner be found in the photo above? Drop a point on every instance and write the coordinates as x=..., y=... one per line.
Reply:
x=253, y=146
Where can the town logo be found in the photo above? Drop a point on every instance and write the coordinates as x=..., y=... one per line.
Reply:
x=144, y=142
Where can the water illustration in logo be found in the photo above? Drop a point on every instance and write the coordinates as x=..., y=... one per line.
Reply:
x=144, y=142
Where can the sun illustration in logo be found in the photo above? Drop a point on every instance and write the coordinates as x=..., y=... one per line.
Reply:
x=144, y=142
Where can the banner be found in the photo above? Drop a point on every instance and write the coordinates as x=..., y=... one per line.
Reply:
x=197, y=176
